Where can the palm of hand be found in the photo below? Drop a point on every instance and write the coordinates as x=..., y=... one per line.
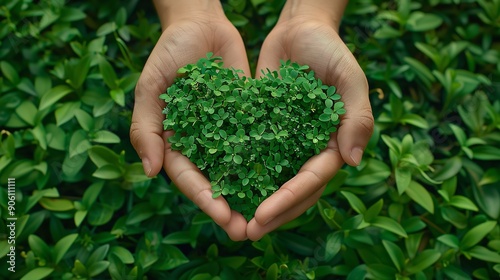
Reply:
x=310, y=43
x=182, y=43
x=319, y=46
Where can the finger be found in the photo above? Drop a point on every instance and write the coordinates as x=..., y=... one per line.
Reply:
x=269, y=58
x=193, y=184
x=256, y=231
x=236, y=227
x=233, y=52
x=356, y=126
x=315, y=174
x=146, y=127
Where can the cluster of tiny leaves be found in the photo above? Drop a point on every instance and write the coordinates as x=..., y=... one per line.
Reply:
x=249, y=136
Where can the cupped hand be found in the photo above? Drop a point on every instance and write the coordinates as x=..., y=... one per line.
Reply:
x=189, y=33
x=308, y=40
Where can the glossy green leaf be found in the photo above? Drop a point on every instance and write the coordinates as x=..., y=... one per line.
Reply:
x=389, y=225
x=123, y=254
x=62, y=246
x=27, y=112
x=420, y=195
x=476, y=234
x=449, y=240
x=54, y=95
x=419, y=22
x=482, y=253
x=108, y=172
x=395, y=253
x=99, y=214
x=101, y=156
x=38, y=273
x=97, y=268
x=373, y=172
x=356, y=203
x=39, y=247
x=9, y=72
x=403, y=178
x=108, y=73
x=66, y=112
x=56, y=204
x=85, y=120
x=423, y=260
x=107, y=137
x=463, y=203
x=140, y=212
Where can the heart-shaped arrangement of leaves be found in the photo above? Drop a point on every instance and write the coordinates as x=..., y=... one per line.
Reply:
x=249, y=136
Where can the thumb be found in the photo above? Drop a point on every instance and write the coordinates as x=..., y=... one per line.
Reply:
x=356, y=126
x=147, y=118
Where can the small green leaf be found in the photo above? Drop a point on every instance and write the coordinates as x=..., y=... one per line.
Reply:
x=476, y=234
x=118, y=95
x=140, y=212
x=63, y=245
x=39, y=247
x=395, y=254
x=104, y=136
x=101, y=156
x=85, y=120
x=106, y=28
x=419, y=21
x=421, y=196
x=56, y=204
x=356, y=203
x=459, y=134
x=99, y=214
x=108, y=172
x=38, y=273
x=450, y=240
x=98, y=255
x=123, y=254
x=463, y=203
x=97, y=268
x=423, y=260
x=175, y=238
x=9, y=72
x=66, y=112
x=237, y=159
x=389, y=225
x=27, y=112
x=482, y=253
x=403, y=178
x=108, y=73
x=54, y=95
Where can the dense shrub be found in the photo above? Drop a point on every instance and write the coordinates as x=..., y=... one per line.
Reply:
x=423, y=204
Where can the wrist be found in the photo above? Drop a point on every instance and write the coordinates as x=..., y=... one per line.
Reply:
x=171, y=11
x=328, y=11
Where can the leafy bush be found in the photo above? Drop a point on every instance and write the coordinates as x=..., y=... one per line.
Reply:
x=423, y=204
x=249, y=135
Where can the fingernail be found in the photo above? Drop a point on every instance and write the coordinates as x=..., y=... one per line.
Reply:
x=147, y=166
x=357, y=155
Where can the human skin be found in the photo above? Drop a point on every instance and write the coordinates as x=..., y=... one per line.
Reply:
x=307, y=33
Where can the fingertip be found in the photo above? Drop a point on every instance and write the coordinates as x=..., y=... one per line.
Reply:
x=353, y=136
x=255, y=230
x=147, y=146
x=236, y=227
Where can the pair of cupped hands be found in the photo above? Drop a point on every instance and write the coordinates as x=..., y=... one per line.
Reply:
x=306, y=33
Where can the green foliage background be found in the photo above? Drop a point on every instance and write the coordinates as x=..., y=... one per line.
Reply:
x=424, y=203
